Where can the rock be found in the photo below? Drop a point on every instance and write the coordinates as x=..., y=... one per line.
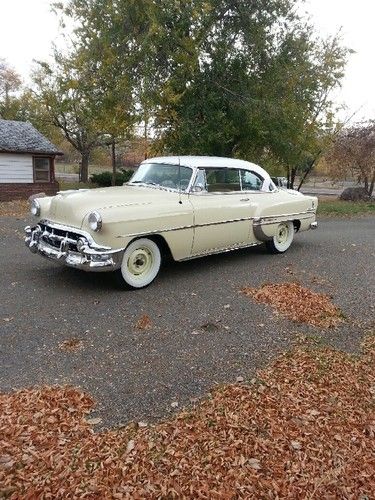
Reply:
x=174, y=404
x=355, y=194
x=239, y=379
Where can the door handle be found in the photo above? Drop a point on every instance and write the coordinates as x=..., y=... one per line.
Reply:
x=245, y=199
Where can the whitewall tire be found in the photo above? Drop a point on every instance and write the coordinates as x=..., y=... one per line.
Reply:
x=140, y=264
x=282, y=239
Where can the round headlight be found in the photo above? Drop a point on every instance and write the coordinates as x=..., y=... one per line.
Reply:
x=35, y=207
x=95, y=221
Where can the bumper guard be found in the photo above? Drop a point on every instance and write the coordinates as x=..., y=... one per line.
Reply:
x=87, y=255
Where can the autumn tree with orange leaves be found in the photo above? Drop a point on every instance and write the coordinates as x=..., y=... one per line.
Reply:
x=353, y=152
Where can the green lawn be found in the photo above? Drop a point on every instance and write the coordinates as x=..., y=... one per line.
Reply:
x=73, y=168
x=338, y=207
x=65, y=185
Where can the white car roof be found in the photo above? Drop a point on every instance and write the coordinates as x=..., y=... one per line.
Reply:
x=209, y=161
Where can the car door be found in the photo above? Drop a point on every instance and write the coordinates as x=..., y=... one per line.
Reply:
x=222, y=212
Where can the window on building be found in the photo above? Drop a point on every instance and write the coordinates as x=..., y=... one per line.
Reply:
x=42, y=169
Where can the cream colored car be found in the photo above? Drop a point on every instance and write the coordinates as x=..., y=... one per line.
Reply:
x=184, y=206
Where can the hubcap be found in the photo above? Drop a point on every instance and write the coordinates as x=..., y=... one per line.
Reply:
x=140, y=261
x=282, y=234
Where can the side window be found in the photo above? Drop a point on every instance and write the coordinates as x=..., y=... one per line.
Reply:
x=251, y=181
x=222, y=180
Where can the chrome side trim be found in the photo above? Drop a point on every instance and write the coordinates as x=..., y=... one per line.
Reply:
x=257, y=221
x=180, y=228
x=214, y=251
x=281, y=218
x=283, y=215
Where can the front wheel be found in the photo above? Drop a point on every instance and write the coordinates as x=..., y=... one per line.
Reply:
x=282, y=239
x=140, y=264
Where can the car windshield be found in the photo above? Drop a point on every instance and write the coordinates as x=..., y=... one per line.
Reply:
x=163, y=174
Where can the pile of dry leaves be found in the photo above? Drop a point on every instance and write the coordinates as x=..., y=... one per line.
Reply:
x=298, y=303
x=305, y=428
x=15, y=208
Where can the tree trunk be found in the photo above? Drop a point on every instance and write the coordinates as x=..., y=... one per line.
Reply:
x=84, y=173
x=145, y=136
x=113, y=155
x=308, y=171
x=292, y=177
x=372, y=185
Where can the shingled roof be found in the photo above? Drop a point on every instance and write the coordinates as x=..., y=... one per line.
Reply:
x=22, y=137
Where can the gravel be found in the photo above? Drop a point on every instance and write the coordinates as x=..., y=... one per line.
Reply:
x=201, y=331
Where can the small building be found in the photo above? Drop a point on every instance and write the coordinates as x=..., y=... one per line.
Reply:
x=27, y=161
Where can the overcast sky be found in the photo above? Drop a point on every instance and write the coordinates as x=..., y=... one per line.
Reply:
x=28, y=27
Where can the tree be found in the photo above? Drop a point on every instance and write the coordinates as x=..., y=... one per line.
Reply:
x=261, y=88
x=234, y=78
x=10, y=83
x=108, y=47
x=353, y=151
x=67, y=91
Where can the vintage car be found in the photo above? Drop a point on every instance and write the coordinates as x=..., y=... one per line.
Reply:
x=184, y=207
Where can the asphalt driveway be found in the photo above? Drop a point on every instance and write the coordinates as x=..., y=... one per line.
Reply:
x=203, y=331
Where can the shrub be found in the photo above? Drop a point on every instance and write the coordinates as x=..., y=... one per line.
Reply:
x=104, y=179
x=355, y=194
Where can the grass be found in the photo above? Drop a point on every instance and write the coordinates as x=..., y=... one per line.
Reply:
x=345, y=208
x=73, y=168
x=64, y=185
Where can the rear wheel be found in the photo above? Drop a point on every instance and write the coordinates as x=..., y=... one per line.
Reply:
x=140, y=264
x=282, y=239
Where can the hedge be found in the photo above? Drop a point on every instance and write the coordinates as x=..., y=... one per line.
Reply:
x=104, y=179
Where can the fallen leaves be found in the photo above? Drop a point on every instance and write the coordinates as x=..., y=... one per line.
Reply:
x=309, y=433
x=144, y=323
x=71, y=345
x=15, y=208
x=297, y=303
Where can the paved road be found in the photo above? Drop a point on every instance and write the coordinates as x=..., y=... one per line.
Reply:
x=204, y=331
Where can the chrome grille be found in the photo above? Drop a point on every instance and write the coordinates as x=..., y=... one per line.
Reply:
x=56, y=237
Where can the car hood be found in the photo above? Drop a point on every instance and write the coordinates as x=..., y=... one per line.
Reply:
x=71, y=207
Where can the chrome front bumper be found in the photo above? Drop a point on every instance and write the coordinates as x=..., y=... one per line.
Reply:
x=72, y=247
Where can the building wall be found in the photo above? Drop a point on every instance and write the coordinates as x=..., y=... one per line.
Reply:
x=16, y=168
x=23, y=191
